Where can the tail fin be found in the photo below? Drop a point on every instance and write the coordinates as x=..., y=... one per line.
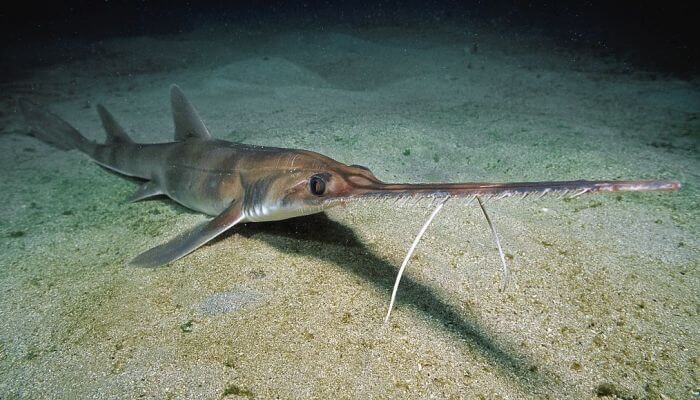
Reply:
x=52, y=130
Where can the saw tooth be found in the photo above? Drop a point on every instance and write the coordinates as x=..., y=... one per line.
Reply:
x=580, y=192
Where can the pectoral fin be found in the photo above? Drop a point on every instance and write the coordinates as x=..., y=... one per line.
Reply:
x=191, y=240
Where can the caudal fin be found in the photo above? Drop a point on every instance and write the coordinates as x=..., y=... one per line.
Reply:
x=52, y=130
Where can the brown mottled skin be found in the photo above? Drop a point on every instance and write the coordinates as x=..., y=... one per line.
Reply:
x=244, y=183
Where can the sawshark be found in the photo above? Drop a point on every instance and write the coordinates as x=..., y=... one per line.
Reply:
x=238, y=183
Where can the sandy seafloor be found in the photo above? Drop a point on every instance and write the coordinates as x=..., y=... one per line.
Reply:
x=604, y=296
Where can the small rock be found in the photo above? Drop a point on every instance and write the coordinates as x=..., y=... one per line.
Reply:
x=186, y=327
x=606, y=389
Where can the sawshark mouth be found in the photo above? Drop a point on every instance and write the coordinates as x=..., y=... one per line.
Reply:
x=495, y=191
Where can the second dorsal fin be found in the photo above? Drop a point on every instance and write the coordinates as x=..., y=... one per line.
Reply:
x=188, y=125
x=115, y=133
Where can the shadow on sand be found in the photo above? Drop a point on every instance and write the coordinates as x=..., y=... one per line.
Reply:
x=312, y=235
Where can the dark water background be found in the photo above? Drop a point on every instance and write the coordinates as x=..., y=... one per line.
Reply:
x=658, y=36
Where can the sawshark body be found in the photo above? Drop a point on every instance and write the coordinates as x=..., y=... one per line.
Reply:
x=239, y=183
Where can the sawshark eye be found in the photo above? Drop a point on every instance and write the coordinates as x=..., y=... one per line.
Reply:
x=317, y=185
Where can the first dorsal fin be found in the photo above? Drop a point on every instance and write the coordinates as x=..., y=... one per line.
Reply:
x=188, y=125
x=115, y=133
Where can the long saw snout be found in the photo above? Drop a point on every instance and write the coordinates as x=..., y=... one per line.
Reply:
x=442, y=192
x=374, y=189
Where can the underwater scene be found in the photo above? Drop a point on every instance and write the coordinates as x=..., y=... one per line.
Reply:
x=349, y=200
